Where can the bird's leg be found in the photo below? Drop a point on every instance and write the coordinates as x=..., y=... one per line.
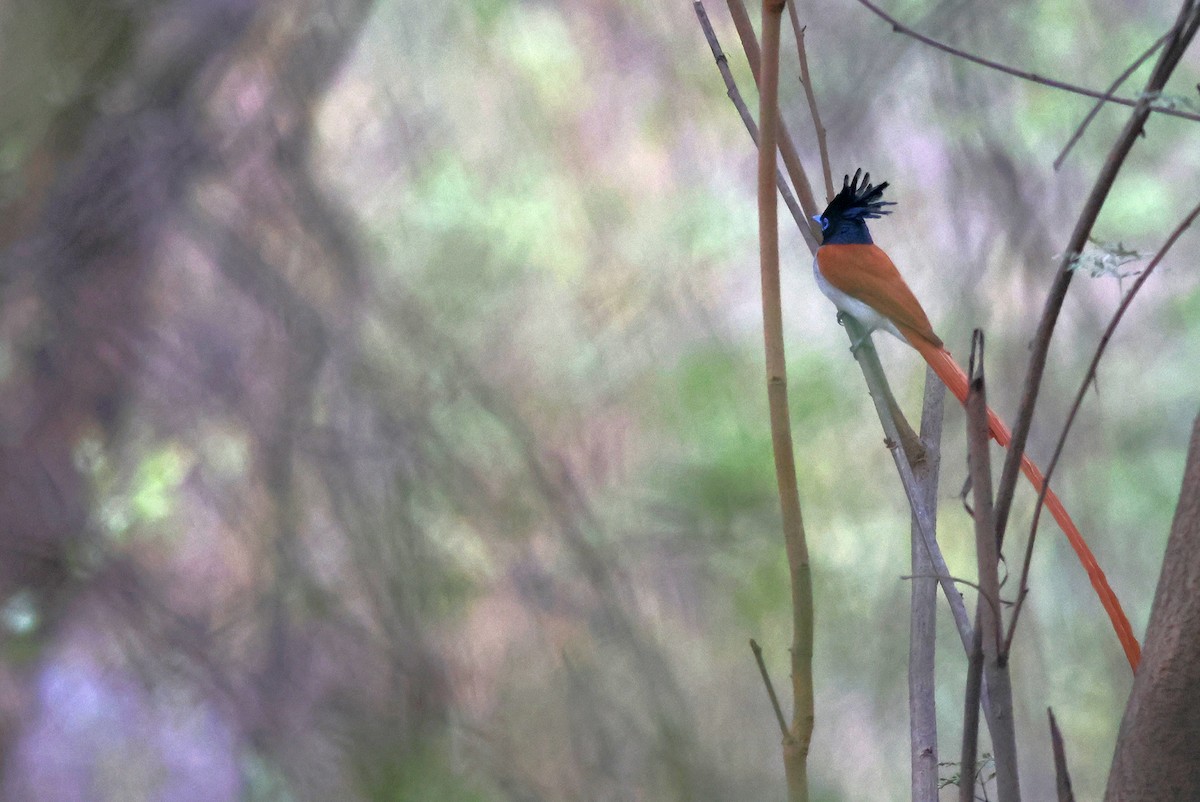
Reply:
x=856, y=344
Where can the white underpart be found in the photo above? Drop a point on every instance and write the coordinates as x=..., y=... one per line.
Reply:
x=855, y=308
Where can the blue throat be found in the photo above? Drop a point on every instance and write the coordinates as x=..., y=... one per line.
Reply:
x=849, y=232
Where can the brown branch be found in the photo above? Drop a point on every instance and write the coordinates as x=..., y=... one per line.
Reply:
x=979, y=464
x=766, y=678
x=1182, y=34
x=1062, y=777
x=1108, y=95
x=900, y=27
x=735, y=96
x=799, y=737
x=810, y=93
x=787, y=147
x=989, y=626
x=1088, y=377
x=970, y=732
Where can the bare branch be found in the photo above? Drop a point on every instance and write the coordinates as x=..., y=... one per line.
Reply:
x=787, y=147
x=1108, y=95
x=997, y=604
x=744, y=112
x=1088, y=377
x=900, y=27
x=1182, y=34
x=970, y=731
x=988, y=620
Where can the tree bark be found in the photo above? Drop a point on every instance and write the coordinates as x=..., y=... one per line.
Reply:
x=1158, y=746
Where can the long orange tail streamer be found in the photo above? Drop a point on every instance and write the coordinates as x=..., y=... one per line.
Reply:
x=955, y=378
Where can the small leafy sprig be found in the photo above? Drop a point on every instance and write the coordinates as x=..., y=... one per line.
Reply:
x=1106, y=259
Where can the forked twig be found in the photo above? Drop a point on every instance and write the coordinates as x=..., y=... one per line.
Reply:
x=735, y=96
x=1108, y=95
x=995, y=604
x=787, y=147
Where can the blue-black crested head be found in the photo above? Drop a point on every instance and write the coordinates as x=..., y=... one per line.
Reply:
x=844, y=219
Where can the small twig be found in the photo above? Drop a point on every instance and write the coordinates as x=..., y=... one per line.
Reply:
x=735, y=96
x=995, y=604
x=1062, y=777
x=1182, y=33
x=900, y=27
x=766, y=678
x=1088, y=377
x=1108, y=95
x=810, y=93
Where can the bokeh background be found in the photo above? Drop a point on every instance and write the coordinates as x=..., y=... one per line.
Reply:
x=382, y=403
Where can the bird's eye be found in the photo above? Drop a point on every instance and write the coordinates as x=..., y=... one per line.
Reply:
x=824, y=221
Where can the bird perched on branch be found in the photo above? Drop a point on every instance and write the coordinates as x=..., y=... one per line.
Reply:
x=863, y=283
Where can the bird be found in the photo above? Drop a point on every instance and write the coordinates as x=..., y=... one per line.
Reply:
x=864, y=283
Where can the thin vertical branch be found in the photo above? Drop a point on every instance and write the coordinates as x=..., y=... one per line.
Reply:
x=971, y=702
x=922, y=697
x=989, y=626
x=796, y=745
x=810, y=93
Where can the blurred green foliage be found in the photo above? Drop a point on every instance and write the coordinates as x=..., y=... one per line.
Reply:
x=560, y=319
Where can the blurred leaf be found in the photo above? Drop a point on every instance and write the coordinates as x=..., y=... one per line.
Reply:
x=423, y=775
x=263, y=781
x=157, y=479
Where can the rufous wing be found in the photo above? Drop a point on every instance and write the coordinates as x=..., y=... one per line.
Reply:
x=865, y=272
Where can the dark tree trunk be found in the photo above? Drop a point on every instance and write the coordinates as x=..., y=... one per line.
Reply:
x=1158, y=747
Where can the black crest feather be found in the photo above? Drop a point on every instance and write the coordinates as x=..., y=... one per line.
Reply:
x=858, y=200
